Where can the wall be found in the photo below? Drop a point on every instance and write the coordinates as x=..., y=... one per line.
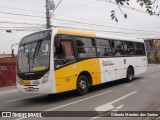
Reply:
x=7, y=71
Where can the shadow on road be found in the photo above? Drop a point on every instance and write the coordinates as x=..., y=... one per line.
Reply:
x=112, y=84
x=53, y=98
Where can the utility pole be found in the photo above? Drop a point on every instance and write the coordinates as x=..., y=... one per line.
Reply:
x=49, y=6
x=48, y=24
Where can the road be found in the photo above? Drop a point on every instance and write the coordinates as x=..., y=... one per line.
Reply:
x=142, y=94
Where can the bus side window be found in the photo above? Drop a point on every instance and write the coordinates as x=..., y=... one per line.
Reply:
x=139, y=49
x=103, y=48
x=118, y=49
x=129, y=48
x=85, y=47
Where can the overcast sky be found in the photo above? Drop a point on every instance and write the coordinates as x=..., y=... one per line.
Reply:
x=137, y=24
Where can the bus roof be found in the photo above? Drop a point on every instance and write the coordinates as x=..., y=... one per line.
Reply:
x=75, y=32
x=94, y=34
x=35, y=36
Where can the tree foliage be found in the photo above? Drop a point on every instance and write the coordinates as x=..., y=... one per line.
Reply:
x=151, y=7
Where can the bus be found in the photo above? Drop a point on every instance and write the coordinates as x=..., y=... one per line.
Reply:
x=61, y=59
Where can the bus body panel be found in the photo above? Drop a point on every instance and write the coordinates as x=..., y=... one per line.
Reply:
x=116, y=68
x=67, y=76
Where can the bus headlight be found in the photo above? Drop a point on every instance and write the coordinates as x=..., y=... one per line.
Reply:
x=45, y=78
x=18, y=80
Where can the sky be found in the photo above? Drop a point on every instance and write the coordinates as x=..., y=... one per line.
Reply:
x=82, y=14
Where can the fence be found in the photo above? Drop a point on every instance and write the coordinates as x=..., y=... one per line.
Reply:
x=7, y=71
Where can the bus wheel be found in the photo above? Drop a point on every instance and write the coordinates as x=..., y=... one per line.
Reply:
x=130, y=74
x=82, y=85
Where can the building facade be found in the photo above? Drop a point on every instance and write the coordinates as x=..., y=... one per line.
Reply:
x=153, y=50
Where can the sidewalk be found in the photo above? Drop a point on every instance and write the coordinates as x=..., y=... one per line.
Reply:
x=7, y=88
x=153, y=65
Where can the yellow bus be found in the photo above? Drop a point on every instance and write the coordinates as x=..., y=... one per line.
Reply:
x=60, y=60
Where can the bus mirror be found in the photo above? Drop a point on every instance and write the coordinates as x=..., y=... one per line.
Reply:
x=57, y=43
x=12, y=52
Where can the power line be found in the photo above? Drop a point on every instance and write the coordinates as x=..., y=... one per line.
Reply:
x=21, y=23
x=20, y=9
x=19, y=27
x=56, y=7
x=78, y=18
x=99, y=25
x=109, y=1
x=106, y=31
x=21, y=19
x=124, y=6
x=77, y=7
x=21, y=14
x=23, y=29
x=102, y=31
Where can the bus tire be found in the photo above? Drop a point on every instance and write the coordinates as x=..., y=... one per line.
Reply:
x=130, y=74
x=82, y=85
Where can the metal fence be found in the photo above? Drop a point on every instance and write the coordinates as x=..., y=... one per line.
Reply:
x=7, y=71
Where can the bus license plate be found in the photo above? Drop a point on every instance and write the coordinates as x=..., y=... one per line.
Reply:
x=30, y=89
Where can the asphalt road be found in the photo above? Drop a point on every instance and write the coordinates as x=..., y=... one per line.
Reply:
x=142, y=94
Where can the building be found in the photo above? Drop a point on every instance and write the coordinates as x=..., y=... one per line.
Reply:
x=5, y=55
x=153, y=50
x=7, y=70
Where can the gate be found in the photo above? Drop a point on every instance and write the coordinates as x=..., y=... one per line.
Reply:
x=7, y=71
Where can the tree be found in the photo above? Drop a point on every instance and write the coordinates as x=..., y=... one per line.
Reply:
x=151, y=6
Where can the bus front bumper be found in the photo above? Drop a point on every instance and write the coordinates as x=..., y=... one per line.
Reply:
x=47, y=87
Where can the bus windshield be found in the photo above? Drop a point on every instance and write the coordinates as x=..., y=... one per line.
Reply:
x=34, y=56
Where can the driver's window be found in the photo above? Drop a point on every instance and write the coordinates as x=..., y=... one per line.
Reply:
x=65, y=50
x=64, y=54
x=68, y=49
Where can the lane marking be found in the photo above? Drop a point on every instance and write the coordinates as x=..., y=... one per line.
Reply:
x=8, y=92
x=119, y=107
x=99, y=116
x=20, y=99
x=143, y=80
x=128, y=85
x=149, y=70
x=102, y=115
x=109, y=105
x=71, y=103
x=154, y=76
x=78, y=101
